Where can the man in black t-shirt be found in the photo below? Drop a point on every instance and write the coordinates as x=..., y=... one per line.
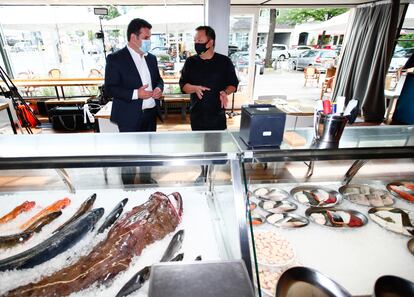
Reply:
x=209, y=77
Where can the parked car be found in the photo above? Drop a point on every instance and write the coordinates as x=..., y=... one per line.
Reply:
x=241, y=61
x=399, y=58
x=321, y=59
x=23, y=46
x=279, y=51
x=298, y=50
x=232, y=50
x=165, y=62
x=160, y=50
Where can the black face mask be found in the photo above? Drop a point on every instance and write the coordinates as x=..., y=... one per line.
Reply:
x=200, y=48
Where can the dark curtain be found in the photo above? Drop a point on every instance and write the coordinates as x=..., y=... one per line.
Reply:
x=366, y=56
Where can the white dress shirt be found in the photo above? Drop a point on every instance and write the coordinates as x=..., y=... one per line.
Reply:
x=145, y=75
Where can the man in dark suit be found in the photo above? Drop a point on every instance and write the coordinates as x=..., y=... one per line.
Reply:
x=132, y=78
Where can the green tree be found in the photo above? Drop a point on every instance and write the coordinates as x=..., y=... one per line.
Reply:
x=406, y=40
x=302, y=15
x=112, y=13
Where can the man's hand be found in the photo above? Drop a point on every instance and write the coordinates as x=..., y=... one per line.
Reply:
x=157, y=93
x=199, y=90
x=143, y=94
x=224, y=99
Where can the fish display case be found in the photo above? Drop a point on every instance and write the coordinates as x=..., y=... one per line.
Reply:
x=346, y=211
x=88, y=214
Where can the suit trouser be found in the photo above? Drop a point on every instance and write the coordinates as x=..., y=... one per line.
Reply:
x=148, y=123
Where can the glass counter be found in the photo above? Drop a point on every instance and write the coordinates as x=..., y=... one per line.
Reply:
x=47, y=168
x=353, y=257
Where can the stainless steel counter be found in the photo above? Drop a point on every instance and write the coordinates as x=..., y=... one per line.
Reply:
x=374, y=142
x=74, y=150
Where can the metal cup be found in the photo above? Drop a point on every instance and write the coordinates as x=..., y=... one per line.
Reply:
x=329, y=128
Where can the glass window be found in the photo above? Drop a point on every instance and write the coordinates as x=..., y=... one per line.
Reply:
x=310, y=54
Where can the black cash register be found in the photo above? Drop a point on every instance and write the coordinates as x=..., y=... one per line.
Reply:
x=262, y=125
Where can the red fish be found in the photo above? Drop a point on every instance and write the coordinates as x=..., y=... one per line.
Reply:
x=403, y=194
x=136, y=229
x=58, y=205
x=25, y=206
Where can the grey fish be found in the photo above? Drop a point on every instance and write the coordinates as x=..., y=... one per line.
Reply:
x=85, y=206
x=54, y=245
x=113, y=215
x=174, y=246
x=137, y=281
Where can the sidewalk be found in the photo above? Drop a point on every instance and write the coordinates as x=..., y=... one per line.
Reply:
x=289, y=83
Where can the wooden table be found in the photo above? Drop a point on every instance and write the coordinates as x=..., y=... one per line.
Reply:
x=5, y=106
x=181, y=99
x=58, y=83
x=296, y=114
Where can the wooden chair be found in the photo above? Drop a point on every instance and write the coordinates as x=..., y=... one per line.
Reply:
x=327, y=86
x=28, y=91
x=54, y=73
x=95, y=73
x=311, y=73
x=331, y=71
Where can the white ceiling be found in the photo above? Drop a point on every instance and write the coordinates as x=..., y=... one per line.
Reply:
x=187, y=2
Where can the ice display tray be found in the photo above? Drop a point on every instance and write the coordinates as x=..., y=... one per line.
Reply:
x=393, y=219
x=309, y=195
x=366, y=195
x=287, y=220
x=274, y=194
x=336, y=217
x=277, y=206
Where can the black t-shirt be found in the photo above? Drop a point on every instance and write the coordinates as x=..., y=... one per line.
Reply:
x=216, y=73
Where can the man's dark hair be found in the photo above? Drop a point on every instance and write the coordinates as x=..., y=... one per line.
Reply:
x=209, y=32
x=135, y=26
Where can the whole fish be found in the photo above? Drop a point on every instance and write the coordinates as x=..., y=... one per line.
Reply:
x=85, y=206
x=139, y=279
x=403, y=194
x=54, y=245
x=58, y=205
x=113, y=215
x=25, y=206
x=174, y=246
x=9, y=241
x=136, y=229
x=143, y=275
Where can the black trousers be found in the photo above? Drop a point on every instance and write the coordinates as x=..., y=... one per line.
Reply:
x=148, y=123
x=201, y=121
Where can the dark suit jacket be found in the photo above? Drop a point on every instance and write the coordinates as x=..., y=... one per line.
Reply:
x=121, y=79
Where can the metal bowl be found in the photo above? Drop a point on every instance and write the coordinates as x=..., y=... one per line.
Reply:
x=389, y=285
x=334, y=220
x=273, y=194
x=309, y=190
x=287, y=220
x=258, y=219
x=277, y=206
x=410, y=245
x=303, y=281
x=252, y=205
x=366, y=195
x=405, y=195
x=393, y=219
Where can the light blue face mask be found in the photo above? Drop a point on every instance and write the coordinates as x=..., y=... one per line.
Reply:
x=145, y=45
